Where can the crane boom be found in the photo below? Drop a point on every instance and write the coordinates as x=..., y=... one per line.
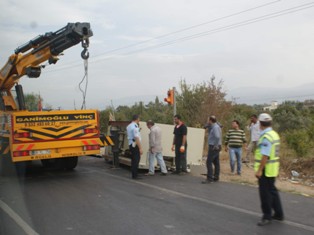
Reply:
x=56, y=137
x=28, y=57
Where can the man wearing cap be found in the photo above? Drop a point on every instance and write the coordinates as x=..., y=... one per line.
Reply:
x=266, y=167
x=214, y=147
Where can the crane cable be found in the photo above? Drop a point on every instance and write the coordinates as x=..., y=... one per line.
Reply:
x=85, y=78
x=85, y=56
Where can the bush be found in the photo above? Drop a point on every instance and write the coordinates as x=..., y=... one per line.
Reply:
x=299, y=141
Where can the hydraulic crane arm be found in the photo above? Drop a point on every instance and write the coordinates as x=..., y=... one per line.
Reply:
x=27, y=58
x=60, y=40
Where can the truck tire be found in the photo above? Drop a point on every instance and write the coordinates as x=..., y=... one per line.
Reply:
x=70, y=162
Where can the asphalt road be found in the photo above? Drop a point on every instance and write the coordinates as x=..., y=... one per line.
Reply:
x=94, y=199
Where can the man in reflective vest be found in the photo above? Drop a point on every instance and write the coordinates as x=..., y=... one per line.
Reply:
x=266, y=167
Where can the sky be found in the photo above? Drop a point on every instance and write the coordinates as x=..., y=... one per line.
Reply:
x=262, y=50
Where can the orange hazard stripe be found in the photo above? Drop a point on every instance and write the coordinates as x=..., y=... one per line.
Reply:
x=30, y=147
x=90, y=142
x=109, y=140
x=85, y=142
x=20, y=147
x=27, y=147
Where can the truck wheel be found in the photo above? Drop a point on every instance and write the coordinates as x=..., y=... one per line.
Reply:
x=70, y=162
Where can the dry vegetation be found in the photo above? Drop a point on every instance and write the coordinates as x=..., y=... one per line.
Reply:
x=304, y=166
x=303, y=185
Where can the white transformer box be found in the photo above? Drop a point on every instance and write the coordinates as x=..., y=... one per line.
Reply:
x=117, y=131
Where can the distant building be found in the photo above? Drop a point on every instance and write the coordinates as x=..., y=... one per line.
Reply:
x=273, y=106
x=309, y=103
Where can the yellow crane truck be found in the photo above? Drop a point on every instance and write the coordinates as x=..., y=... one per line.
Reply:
x=54, y=137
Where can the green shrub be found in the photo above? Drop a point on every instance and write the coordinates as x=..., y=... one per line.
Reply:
x=299, y=141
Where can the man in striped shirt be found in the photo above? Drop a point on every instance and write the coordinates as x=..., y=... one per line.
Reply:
x=235, y=139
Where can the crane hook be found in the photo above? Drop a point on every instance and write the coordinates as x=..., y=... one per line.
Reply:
x=85, y=54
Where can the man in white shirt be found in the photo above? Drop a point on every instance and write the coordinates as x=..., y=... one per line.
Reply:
x=254, y=136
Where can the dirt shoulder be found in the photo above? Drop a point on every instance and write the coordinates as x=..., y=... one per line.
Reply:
x=284, y=183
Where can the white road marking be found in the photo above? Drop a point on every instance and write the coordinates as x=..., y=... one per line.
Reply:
x=27, y=229
x=229, y=207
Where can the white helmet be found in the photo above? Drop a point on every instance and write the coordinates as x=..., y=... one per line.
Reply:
x=264, y=117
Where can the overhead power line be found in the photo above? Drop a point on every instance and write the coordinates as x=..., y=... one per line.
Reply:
x=204, y=33
x=75, y=63
x=187, y=28
x=228, y=27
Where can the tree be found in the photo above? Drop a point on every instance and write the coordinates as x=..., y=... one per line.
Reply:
x=300, y=141
x=242, y=113
x=290, y=117
x=296, y=123
x=123, y=113
x=104, y=120
x=158, y=112
x=31, y=101
x=197, y=102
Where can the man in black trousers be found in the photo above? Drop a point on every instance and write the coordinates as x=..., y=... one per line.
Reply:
x=179, y=145
x=135, y=146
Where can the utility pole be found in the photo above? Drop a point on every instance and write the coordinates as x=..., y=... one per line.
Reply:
x=174, y=102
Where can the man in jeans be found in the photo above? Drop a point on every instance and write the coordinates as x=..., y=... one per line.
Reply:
x=155, y=149
x=214, y=147
x=235, y=139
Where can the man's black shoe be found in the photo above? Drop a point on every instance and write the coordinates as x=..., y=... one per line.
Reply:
x=207, y=181
x=275, y=217
x=216, y=179
x=137, y=178
x=264, y=222
x=163, y=174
